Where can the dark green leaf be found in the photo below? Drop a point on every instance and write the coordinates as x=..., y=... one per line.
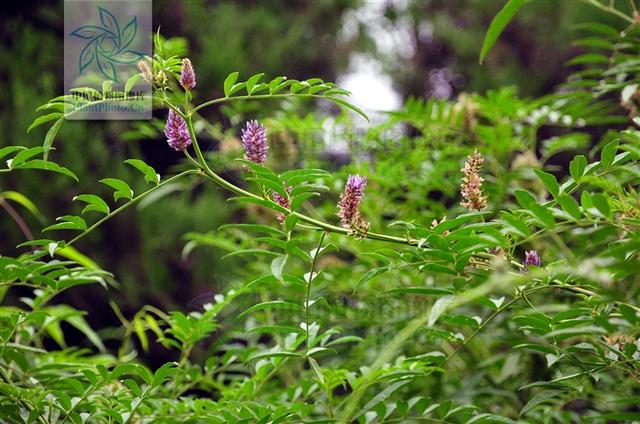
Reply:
x=544, y=215
x=264, y=355
x=498, y=24
x=540, y=398
x=577, y=166
x=348, y=105
x=608, y=154
x=47, y=166
x=569, y=205
x=629, y=313
x=369, y=275
x=10, y=149
x=524, y=198
x=601, y=203
x=549, y=181
x=50, y=136
x=43, y=119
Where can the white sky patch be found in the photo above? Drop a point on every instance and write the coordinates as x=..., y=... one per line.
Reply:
x=371, y=89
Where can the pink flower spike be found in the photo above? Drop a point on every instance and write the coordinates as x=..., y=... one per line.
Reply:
x=254, y=141
x=188, y=75
x=349, y=204
x=176, y=132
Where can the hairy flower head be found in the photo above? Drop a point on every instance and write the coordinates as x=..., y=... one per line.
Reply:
x=176, y=132
x=145, y=70
x=531, y=258
x=188, y=75
x=471, y=187
x=349, y=204
x=160, y=79
x=254, y=141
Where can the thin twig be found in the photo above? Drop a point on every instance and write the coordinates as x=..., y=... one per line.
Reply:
x=20, y=222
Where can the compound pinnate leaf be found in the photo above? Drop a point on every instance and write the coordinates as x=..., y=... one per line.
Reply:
x=47, y=166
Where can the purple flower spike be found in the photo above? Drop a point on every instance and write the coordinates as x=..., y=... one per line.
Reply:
x=531, y=258
x=188, y=76
x=349, y=204
x=254, y=141
x=176, y=131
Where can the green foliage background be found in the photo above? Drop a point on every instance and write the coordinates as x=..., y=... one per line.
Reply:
x=442, y=324
x=220, y=37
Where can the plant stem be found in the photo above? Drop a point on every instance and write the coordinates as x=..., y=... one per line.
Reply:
x=184, y=356
x=611, y=10
x=254, y=97
x=17, y=218
x=306, y=301
x=241, y=192
x=130, y=203
x=321, y=226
